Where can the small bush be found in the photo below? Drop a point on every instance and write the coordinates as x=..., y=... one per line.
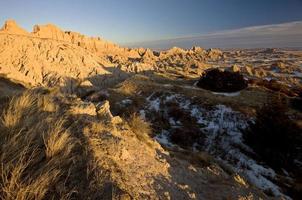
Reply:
x=277, y=140
x=222, y=81
x=141, y=128
x=186, y=137
x=274, y=136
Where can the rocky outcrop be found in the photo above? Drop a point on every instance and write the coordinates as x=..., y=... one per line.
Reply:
x=11, y=27
x=174, y=51
x=49, y=54
x=214, y=54
x=95, y=45
x=235, y=68
x=198, y=50
x=34, y=61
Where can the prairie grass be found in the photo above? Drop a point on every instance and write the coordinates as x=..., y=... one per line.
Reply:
x=141, y=128
x=36, y=149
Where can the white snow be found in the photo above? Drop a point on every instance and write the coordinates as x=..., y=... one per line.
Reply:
x=222, y=129
x=172, y=121
x=153, y=104
x=224, y=140
x=163, y=139
x=268, y=78
x=126, y=101
x=142, y=113
x=227, y=94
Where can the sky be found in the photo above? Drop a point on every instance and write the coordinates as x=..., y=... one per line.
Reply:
x=143, y=21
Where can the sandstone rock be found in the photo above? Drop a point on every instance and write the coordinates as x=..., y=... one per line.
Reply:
x=137, y=67
x=92, y=44
x=235, y=68
x=258, y=72
x=34, y=61
x=247, y=70
x=175, y=50
x=48, y=31
x=10, y=26
x=214, y=54
x=197, y=49
x=103, y=110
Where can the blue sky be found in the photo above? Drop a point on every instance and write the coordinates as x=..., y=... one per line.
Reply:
x=126, y=21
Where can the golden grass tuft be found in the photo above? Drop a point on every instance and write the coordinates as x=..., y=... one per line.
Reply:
x=36, y=149
x=58, y=140
x=15, y=186
x=19, y=107
x=141, y=128
x=45, y=103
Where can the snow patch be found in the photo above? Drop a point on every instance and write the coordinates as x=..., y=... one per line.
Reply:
x=153, y=104
x=142, y=114
x=126, y=102
x=227, y=94
x=222, y=128
x=163, y=138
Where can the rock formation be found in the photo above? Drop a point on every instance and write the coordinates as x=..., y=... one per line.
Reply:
x=34, y=61
x=11, y=27
x=48, y=55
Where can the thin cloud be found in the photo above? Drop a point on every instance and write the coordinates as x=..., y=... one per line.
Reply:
x=274, y=35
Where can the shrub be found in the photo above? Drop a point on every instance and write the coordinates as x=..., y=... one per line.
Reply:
x=141, y=128
x=274, y=136
x=186, y=137
x=296, y=103
x=277, y=140
x=222, y=81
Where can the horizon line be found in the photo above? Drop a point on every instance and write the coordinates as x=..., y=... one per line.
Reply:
x=214, y=33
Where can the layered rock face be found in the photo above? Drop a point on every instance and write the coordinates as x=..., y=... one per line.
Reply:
x=93, y=44
x=33, y=61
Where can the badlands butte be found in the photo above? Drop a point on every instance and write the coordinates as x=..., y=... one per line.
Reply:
x=84, y=118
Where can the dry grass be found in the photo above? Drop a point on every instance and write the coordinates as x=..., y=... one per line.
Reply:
x=18, y=108
x=58, y=140
x=36, y=149
x=141, y=128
